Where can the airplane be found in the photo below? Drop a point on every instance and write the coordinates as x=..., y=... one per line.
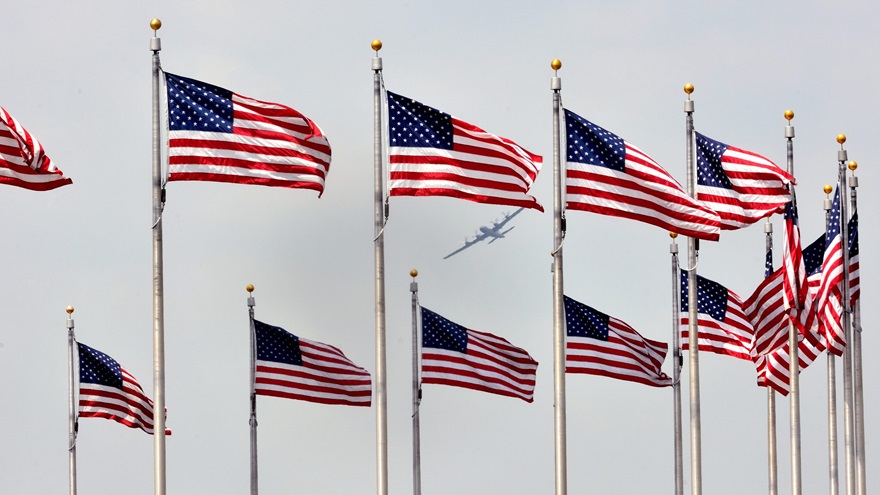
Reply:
x=486, y=232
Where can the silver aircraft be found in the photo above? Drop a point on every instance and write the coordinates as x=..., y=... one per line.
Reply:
x=493, y=233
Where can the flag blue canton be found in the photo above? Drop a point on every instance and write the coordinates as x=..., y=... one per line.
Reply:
x=98, y=368
x=813, y=255
x=711, y=297
x=709, y=169
x=415, y=125
x=833, y=228
x=198, y=106
x=584, y=321
x=791, y=210
x=853, y=235
x=440, y=333
x=590, y=144
x=277, y=345
x=768, y=263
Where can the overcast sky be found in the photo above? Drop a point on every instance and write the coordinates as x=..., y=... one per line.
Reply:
x=78, y=77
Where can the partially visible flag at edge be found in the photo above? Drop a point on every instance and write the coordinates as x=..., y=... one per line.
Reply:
x=23, y=161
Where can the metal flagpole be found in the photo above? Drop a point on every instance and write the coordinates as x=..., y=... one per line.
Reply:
x=693, y=327
x=71, y=401
x=158, y=282
x=794, y=397
x=676, y=369
x=253, y=392
x=857, y=352
x=416, y=386
x=848, y=428
x=558, y=311
x=379, y=256
x=832, y=386
x=772, y=479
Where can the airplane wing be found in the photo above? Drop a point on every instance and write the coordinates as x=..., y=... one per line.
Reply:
x=501, y=235
x=507, y=218
x=467, y=243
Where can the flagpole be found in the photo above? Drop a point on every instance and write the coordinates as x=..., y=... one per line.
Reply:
x=158, y=281
x=693, y=326
x=416, y=388
x=558, y=311
x=772, y=478
x=253, y=391
x=676, y=368
x=71, y=401
x=379, y=256
x=794, y=397
x=848, y=428
x=858, y=395
x=832, y=386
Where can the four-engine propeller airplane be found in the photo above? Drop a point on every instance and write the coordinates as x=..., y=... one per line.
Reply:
x=494, y=232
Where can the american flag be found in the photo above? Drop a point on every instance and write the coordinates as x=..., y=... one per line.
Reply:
x=23, y=161
x=794, y=282
x=107, y=390
x=457, y=356
x=767, y=314
x=828, y=295
x=220, y=136
x=598, y=344
x=295, y=368
x=432, y=153
x=608, y=176
x=773, y=367
x=854, y=283
x=742, y=186
x=723, y=325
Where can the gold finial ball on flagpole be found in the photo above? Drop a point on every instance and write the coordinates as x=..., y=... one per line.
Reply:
x=789, y=114
x=841, y=138
x=688, y=88
x=69, y=310
x=556, y=64
x=413, y=273
x=376, y=45
x=827, y=188
x=250, y=288
x=155, y=23
x=673, y=234
x=852, y=165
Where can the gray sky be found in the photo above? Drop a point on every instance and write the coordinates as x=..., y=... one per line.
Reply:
x=78, y=77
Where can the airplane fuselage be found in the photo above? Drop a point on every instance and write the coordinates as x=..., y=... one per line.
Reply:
x=491, y=232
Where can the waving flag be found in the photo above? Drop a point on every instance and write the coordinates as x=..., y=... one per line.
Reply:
x=794, y=282
x=432, y=153
x=743, y=187
x=295, y=368
x=724, y=327
x=23, y=161
x=457, y=356
x=828, y=297
x=854, y=282
x=598, y=344
x=220, y=136
x=773, y=367
x=107, y=390
x=767, y=314
x=608, y=176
